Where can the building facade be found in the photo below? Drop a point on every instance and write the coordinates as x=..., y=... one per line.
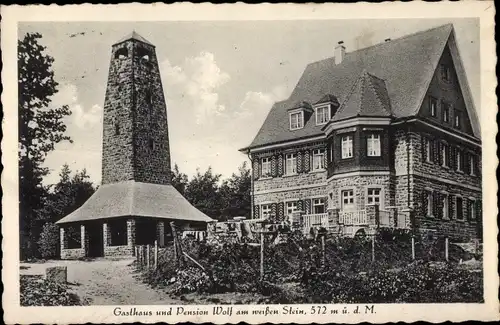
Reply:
x=385, y=136
x=136, y=201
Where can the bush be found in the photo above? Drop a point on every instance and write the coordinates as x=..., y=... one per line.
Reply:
x=36, y=291
x=49, y=244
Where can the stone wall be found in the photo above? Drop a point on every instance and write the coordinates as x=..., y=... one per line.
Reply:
x=72, y=254
x=118, y=251
x=135, y=130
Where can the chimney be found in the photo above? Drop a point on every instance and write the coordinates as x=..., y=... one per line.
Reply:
x=339, y=52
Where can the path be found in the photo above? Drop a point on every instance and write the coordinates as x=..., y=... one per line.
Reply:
x=105, y=282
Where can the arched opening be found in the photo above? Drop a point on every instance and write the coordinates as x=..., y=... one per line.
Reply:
x=121, y=53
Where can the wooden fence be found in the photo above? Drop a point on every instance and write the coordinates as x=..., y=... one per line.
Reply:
x=146, y=256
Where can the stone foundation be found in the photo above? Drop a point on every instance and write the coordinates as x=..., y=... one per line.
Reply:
x=72, y=253
x=118, y=251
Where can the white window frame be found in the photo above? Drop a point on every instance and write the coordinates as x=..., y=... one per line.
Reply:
x=471, y=209
x=380, y=196
x=266, y=209
x=373, y=145
x=291, y=162
x=430, y=203
x=351, y=197
x=433, y=106
x=347, y=146
x=266, y=167
x=446, y=206
x=444, y=154
x=318, y=202
x=318, y=156
x=472, y=170
x=291, y=206
x=300, y=120
x=322, y=114
x=428, y=148
x=456, y=207
x=459, y=160
x=446, y=109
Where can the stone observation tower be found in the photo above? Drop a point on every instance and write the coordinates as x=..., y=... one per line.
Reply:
x=136, y=199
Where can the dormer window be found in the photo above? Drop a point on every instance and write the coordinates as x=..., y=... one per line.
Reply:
x=445, y=73
x=446, y=112
x=433, y=106
x=322, y=114
x=296, y=120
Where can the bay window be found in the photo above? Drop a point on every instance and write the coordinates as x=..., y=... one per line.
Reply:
x=373, y=145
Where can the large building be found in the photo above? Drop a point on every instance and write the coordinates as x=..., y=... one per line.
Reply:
x=136, y=201
x=384, y=136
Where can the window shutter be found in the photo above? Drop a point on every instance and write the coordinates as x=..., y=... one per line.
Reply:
x=256, y=168
x=273, y=166
x=451, y=206
x=437, y=205
x=280, y=164
x=325, y=157
x=453, y=157
x=439, y=154
x=281, y=212
x=299, y=162
x=466, y=163
x=424, y=150
x=325, y=202
x=433, y=150
x=300, y=205
x=256, y=211
x=273, y=211
x=425, y=202
x=479, y=211
x=307, y=161
x=307, y=206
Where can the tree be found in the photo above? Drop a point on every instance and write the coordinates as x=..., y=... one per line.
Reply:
x=203, y=192
x=179, y=180
x=40, y=127
x=236, y=193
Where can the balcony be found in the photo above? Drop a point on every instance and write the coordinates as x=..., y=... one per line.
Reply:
x=315, y=220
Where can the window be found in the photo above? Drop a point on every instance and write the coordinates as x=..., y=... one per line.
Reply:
x=445, y=206
x=433, y=106
x=472, y=165
x=458, y=117
x=444, y=155
x=291, y=207
x=117, y=129
x=266, y=167
x=472, y=210
x=373, y=196
x=445, y=72
x=446, y=112
x=373, y=145
x=322, y=115
x=296, y=120
x=347, y=151
x=430, y=205
x=428, y=149
x=291, y=164
x=318, y=205
x=459, y=208
x=347, y=199
x=318, y=159
x=459, y=160
x=265, y=210
x=151, y=144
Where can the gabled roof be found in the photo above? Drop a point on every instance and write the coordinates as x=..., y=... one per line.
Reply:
x=134, y=36
x=405, y=66
x=136, y=199
x=368, y=97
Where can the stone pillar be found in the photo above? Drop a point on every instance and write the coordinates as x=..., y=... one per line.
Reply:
x=63, y=239
x=131, y=233
x=372, y=213
x=393, y=220
x=106, y=234
x=160, y=233
x=84, y=240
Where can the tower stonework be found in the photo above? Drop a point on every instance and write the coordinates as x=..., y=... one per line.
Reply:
x=135, y=130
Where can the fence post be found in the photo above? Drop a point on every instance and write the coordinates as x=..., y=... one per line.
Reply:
x=446, y=248
x=413, y=248
x=261, y=256
x=139, y=251
x=148, y=256
x=373, y=248
x=156, y=255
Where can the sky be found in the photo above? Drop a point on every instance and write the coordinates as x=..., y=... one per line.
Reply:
x=220, y=78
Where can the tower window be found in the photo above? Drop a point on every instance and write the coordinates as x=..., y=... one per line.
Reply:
x=117, y=129
x=151, y=144
x=121, y=53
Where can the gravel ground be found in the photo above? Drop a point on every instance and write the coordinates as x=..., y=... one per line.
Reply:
x=105, y=282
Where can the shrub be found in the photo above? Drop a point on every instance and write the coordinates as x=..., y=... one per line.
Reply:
x=48, y=244
x=36, y=291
